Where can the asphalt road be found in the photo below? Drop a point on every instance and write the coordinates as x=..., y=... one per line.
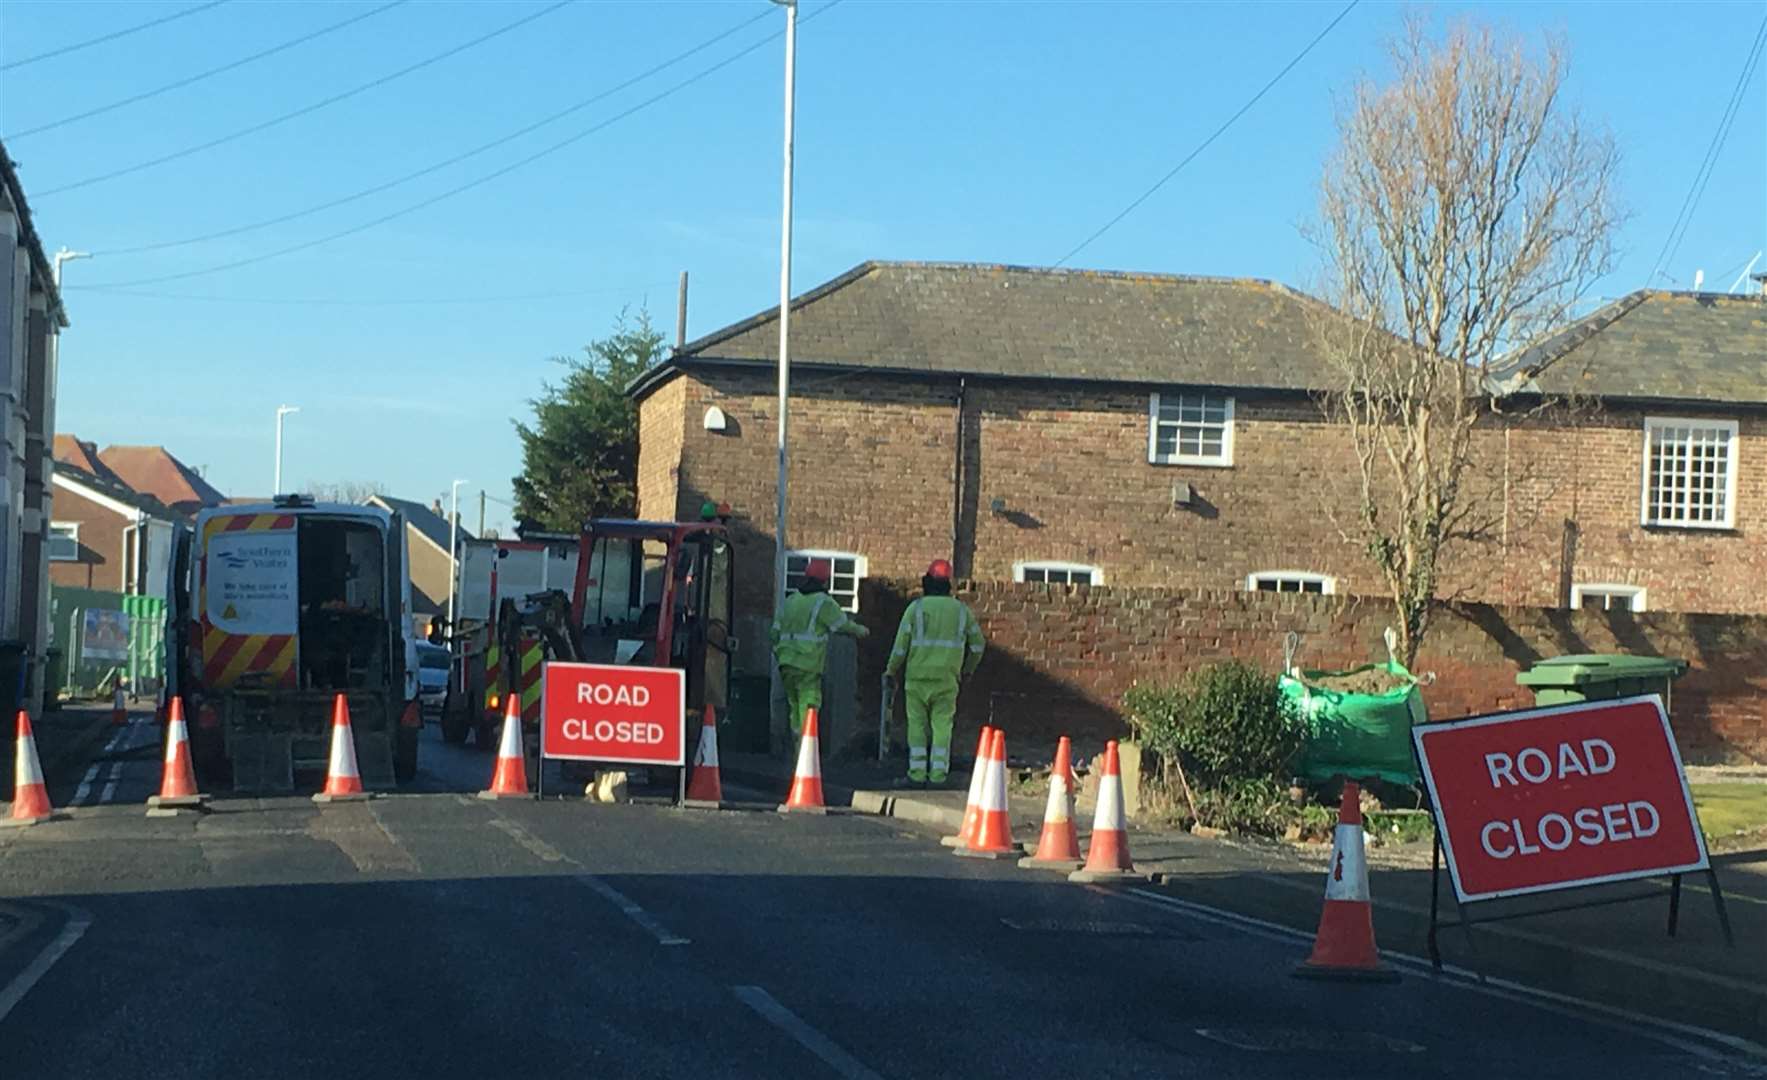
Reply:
x=434, y=935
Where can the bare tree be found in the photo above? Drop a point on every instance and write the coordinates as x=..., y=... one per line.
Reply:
x=1465, y=211
x=345, y=491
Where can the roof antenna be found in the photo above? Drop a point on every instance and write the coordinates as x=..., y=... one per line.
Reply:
x=1744, y=276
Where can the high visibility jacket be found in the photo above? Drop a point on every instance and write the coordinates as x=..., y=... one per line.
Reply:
x=938, y=640
x=800, y=634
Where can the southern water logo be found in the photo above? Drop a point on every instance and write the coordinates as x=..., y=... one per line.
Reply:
x=235, y=562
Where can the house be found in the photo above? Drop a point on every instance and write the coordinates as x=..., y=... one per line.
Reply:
x=107, y=537
x=1659, y=488
x=31, y=320
x=1079, y=427
x=432, y=567
x=152, y=470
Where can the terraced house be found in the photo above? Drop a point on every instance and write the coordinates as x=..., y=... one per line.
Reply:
x=1090, y=428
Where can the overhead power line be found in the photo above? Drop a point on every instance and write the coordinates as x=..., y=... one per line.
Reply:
x=331, y=204
x=326, y=301
x=189, y=80
x=1218, y=132
x=1709, y=163
x=112, y=36
x=303, y=111
x=470, y=184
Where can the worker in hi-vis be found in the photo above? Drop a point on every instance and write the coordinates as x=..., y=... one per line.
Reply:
x=938, y=643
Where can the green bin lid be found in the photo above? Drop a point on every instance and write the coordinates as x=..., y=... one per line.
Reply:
x=1583, y=670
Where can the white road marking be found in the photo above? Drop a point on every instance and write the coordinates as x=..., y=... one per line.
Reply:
x=15, y=991
x=632, y=911
x=1667, y=1032
x=843, y=1063
x=110, y=785
x=526, y=839
x=84, y=791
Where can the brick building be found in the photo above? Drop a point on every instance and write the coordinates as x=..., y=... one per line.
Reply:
x=104, y=534
x=1140, y=430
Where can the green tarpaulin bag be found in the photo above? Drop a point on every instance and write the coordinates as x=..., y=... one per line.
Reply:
x=1356, y=734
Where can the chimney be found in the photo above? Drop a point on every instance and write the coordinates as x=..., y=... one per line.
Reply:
x=436, y=508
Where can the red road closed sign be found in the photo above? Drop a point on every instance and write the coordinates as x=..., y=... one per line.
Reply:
x=1561, y=797
x=612, y=712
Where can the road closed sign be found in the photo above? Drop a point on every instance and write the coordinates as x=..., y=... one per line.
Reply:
x=1559, y=798
x=612, y=712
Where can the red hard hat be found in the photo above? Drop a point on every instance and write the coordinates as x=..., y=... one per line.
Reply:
x=940, y=569
x=817, y=570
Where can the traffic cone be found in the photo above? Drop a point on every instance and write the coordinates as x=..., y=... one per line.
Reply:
x=705, y=789
x=30, y=796
x=806, y=782
x=1059, y=846
x=970, y=812
x=993, y=836
x=178, y=777
x=1107, y=855
x=343, y=783
x=510, y=781
x=1344, y=947
x=119, y=709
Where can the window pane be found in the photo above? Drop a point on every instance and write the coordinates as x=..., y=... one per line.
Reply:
x=1034, y=574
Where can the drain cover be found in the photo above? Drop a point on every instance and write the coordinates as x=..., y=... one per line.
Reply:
x=1307, y=1040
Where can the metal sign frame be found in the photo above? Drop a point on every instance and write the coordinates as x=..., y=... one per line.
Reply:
x=1441, y=847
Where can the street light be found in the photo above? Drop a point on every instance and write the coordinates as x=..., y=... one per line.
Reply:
x=791, y=43
x=453, y=545
x=281, y=411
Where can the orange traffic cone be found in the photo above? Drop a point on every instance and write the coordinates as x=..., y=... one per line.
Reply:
x=178, y=777
x=806, y=782
x=1107, y=855
x=1059, y=846
x=119, y=709
x=343, y=783
x=30, y=796
x=1344, y=947
x=971, y=814
x=510, y=781
x=705, y=789
x=993, y=836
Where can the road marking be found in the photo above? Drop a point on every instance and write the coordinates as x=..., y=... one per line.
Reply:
x=15, y=991
x=526, y=839
x=843, y=1063
x=84, y=791
x=1668, y=1032
x=632, y=911
x=110, y=786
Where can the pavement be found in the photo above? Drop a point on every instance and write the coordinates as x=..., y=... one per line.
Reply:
x=432, y=934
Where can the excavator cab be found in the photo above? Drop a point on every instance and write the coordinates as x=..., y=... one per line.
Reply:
x=658, y=594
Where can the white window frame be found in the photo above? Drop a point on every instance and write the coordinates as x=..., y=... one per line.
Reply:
x=1636, y=593
x=1654, y=423
x=55, y=528
x=1328, y=585
x=861, y=570
x=1224, y=461
x=1049, y=567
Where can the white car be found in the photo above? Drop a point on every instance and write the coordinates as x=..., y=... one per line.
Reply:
x=432, y=677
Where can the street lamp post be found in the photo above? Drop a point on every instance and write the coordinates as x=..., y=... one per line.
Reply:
x=779, y=540
x=453, y=545
x=64, y=255
x=281, y=411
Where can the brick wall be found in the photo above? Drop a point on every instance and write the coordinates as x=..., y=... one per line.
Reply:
x=875, y=471
x=100, y=565
x=1059, y=658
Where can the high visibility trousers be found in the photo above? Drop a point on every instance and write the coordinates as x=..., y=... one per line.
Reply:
x=803, y=690
x=930, y=704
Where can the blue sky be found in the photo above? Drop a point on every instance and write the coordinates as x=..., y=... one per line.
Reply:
x=1001, y=132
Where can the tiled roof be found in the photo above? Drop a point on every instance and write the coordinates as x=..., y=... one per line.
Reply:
x=432, y=525
x=70, y=450
x=154, y=471
x=1668, y=346
x=1023, y=322
x=116, y=489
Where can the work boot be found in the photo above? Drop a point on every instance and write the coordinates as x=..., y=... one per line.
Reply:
x=938, y=779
